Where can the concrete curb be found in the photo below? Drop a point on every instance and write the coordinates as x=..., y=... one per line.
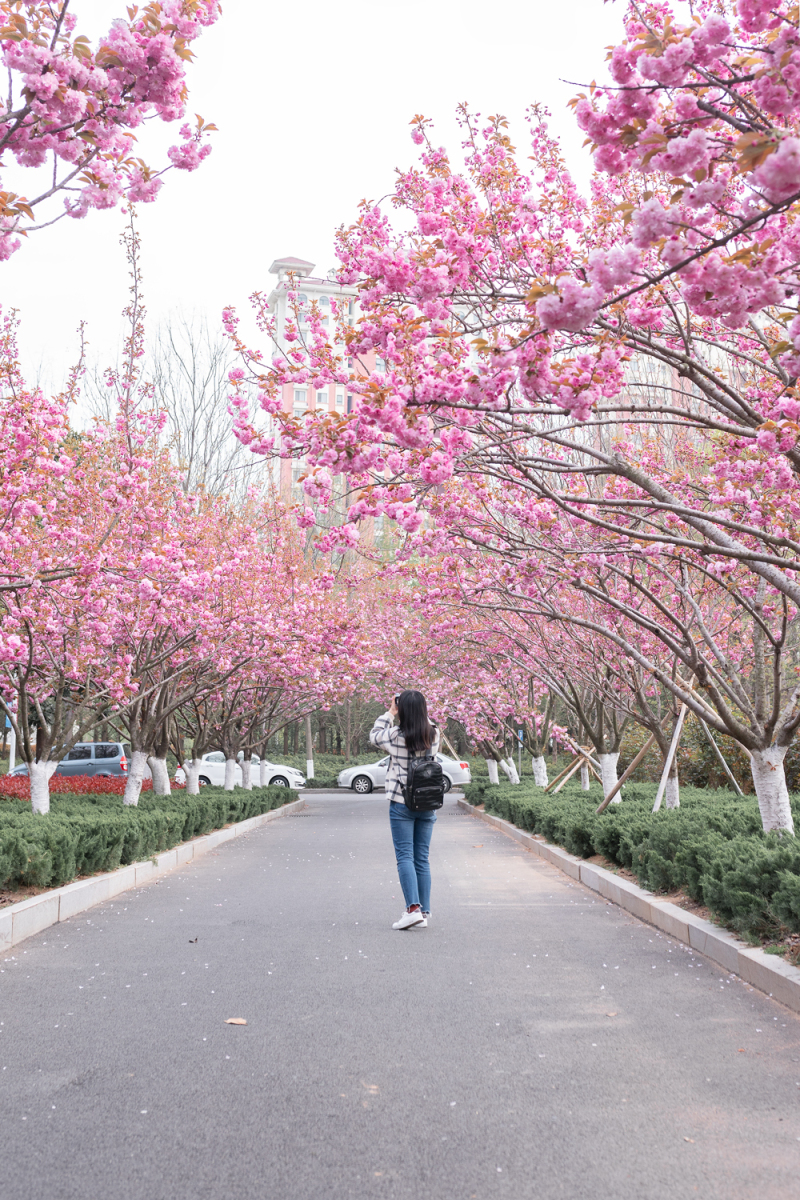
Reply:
x=767, y=972
x=20, y=921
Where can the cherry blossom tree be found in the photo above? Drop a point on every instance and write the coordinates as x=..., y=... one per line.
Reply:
x=73, y=113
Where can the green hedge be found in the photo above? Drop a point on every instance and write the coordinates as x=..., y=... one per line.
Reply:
x=85, y=834
x=713, y=846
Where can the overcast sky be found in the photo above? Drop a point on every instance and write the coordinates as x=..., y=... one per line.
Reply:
x=313, y=101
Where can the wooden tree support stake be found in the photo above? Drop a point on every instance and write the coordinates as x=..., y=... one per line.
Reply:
x=580, y=750
x=628, y=771
x=673, y=746
x=573, y=768
x=569, y=767
x=448, y=743
x=718, y=753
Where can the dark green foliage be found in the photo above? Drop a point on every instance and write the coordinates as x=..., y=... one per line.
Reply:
x=85, y=834
x=713, y=846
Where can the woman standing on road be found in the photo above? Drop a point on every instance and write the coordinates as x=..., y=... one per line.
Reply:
x=413, y=735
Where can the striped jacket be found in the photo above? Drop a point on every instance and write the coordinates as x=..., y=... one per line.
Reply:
x=387, y=736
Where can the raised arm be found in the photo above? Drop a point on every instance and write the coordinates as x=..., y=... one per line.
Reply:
x=381, y=734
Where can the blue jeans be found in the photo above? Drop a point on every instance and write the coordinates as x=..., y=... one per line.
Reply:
x=411, y=834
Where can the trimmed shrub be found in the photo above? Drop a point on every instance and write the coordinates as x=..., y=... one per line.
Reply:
x=82, y=835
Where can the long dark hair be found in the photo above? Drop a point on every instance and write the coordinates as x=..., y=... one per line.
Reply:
x=415, y=726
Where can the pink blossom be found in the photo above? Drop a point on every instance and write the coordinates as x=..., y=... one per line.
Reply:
x=779, y=175
x=572, y=307
x=650, y=222
x=684, y=154
x=608, y=268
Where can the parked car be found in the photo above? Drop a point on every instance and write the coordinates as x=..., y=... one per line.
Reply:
x=212, y=772
x=90, y=758
x=364, y=778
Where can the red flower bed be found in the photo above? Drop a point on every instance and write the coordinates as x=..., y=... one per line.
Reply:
x=19, y=786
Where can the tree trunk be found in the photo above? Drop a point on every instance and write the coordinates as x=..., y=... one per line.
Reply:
x=539, y=764
x=247, y=774
x=136, y=770
x=158, y=769
x=230, y=774
x=309, y=750
x=672, y=794
x=511, y=771
x=769, y=778
x=584, y=778
x=40, y=774
x=262, y=773
x=286, y=739
x=608, y=773
x=192, y=770
x=492, y=765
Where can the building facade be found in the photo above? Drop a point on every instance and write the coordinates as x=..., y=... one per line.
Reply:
x=296, y=275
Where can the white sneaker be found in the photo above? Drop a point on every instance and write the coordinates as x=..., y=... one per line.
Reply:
x=409, y=919
x=423, y=924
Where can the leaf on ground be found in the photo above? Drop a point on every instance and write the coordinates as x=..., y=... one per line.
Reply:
x=689, y=1140
x=612, y=1014
x=192, y=941
x=478, y=847
x=235, y=1021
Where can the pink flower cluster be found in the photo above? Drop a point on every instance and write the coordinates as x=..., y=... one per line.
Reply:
x=80, y=106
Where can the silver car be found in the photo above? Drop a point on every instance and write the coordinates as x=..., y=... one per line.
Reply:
x=365, y=779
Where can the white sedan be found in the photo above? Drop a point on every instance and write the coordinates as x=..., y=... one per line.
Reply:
x=363, y=779
x=212, y=772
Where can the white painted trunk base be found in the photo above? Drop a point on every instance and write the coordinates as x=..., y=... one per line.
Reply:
x=492, y=769
x=247, y=774
x=136, y=770
x=539, y=766
x=40, y=774
x=230, y=774
x=672, y=793
x=192, y=771
x=262, y=773
x=158, y=769
x=769, y=778
x=584, y=778
x=309, y=768
x=608, y=774
x=510, y=770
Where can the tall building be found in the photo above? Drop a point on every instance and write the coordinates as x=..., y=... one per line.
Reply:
x=295, y=275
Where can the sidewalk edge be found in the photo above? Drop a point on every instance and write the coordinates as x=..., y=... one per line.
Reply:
x=766, y=972
x=26, y=917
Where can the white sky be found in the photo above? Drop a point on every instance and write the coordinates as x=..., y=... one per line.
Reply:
x=313, y=101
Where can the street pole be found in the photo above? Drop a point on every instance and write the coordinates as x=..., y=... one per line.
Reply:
x=12, y=751
x=309, y=750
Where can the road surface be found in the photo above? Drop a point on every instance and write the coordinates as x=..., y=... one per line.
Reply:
x=534, y=1042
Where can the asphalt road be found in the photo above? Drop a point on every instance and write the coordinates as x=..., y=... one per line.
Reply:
x=533, y=1042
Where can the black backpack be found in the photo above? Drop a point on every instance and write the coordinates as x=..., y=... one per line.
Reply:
x=424, y=790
